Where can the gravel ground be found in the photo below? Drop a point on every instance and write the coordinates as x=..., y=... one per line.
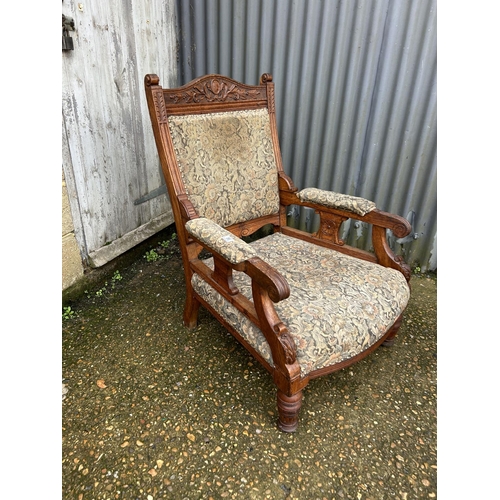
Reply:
x=152, y=410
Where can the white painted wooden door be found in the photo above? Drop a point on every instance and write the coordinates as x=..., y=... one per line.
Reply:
x=109, y=155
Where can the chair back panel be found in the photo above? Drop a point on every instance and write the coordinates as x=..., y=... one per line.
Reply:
x=227, y=163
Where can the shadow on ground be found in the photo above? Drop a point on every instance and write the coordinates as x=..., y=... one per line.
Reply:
x=152, y=410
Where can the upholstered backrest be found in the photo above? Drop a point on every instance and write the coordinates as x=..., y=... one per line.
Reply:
x=227, y=164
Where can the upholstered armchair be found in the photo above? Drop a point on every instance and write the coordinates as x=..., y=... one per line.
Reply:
x=304, y=305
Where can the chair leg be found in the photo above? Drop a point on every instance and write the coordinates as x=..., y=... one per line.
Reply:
x=389, y=341
x=191, y=309
x=288, y=410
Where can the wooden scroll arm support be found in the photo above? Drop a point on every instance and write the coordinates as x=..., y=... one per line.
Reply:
x=385, y=256
x=269, y=286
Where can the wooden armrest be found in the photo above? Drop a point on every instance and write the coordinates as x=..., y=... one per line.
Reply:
x=221, y=241
x=231, y=252
x=330, y=199
x=341, y=205
x=334, y=209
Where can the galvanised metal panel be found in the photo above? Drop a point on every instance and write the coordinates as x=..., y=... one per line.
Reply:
x=355, y=97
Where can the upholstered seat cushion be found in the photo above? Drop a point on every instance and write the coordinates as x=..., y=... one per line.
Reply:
x=338, y=305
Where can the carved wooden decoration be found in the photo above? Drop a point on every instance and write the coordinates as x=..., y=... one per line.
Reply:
x=214, y=90
x=288, y=347
x=330, y=226
x=160, y=106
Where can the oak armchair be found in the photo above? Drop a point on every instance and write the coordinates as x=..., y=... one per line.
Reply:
x=304, y=305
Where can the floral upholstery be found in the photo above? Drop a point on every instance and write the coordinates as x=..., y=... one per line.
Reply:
x=331, y=199
x=232, y=248
x=338, y=305
x=227, y=161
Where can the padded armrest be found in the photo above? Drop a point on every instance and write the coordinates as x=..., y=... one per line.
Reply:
x=226, y=244
x=330, y=199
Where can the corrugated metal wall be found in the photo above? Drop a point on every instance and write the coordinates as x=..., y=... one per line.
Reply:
x=355, y=96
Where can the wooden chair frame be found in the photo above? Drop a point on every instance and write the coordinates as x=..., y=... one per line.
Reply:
x=216, y=93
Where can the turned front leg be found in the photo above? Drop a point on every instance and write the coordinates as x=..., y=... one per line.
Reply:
x=288, y=410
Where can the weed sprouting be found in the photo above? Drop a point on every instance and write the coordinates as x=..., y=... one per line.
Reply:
x=161, y=250
x=116, y=277
x=68, y=313
x=151, y=256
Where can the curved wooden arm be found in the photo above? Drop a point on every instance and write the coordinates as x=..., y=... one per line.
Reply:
x=268, y=278
x=400, y=228
x=385, y=255
x=259, y=271
x=269, y=286
x=397, y=224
